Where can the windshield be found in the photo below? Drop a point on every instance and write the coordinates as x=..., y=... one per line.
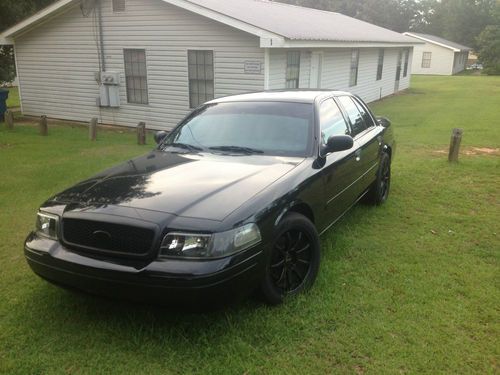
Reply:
x=272, y=128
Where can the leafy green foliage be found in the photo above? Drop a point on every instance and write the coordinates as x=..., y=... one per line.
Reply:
x=13, y=101
x=409, y=287
x=489, y=49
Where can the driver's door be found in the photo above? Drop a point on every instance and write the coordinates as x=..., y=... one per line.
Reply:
x=339, y=170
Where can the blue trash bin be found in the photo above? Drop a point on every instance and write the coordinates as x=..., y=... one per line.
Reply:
x=4, y=94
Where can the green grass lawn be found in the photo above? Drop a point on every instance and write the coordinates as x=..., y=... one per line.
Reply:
x=408, y=287
x=13, y=99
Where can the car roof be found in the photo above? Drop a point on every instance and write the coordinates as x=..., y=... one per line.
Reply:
x=295, y=96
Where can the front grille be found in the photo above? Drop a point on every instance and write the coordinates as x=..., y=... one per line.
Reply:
x=106, y=237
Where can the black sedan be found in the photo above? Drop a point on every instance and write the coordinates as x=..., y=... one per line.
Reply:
x=233, y=200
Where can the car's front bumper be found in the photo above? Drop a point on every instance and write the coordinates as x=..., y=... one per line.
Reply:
x=166, y=281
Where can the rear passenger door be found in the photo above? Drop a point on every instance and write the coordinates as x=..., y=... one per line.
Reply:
x=367, y=141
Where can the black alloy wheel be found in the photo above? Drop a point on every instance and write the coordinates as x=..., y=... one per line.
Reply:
x=294, y=260
x=385, y=179
x=379, y=191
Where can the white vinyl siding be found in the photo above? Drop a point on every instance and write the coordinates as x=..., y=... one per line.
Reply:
x=57, y=62
x=335, y=69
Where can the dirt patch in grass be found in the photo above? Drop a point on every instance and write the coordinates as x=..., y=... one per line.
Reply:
x=482, y=151
x=5, y=145
x=473, y=151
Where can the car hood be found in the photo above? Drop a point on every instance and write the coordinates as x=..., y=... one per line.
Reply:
x=203, y=186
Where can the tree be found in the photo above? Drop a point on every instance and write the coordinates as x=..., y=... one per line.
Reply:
x=12, y=12
x=488, y=43
x=460, y=21
x=489, y=49
x=397, y=15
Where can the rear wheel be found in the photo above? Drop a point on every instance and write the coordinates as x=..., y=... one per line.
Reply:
x=294, y=261
x=379, y=191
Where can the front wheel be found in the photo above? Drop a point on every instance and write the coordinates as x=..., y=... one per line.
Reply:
x=379, y=191
x=294, y=262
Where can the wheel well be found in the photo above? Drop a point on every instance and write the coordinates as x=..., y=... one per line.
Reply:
x=388, y=151
x=303, y=209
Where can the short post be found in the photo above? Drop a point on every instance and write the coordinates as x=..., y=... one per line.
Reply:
x=456, y=138
x=42, y=126
x=9, y=119
x=141, y=133
x=93, y=129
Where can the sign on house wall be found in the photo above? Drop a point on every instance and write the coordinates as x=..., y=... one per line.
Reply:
x=253, y=67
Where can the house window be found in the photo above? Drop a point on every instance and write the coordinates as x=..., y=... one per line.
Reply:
x=118, y=5
x=407, y=57
x=201, y=77
x=426, y=59
x=353, y=78
x=136, y=76
x=380, y=66
x=292, y=69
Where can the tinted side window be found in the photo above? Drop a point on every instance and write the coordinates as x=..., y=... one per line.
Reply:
x=331, y=120
x=357, y=121
x=364, y=113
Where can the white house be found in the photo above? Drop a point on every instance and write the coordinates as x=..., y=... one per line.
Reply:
x=438, y=55
x=126, y=61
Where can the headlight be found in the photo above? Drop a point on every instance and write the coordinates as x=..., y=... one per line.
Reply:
x=189, y=245
x=47, y=224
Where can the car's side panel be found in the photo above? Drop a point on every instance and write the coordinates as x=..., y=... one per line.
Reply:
x=368, y=144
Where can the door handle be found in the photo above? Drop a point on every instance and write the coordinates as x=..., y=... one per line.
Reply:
x=357, y=154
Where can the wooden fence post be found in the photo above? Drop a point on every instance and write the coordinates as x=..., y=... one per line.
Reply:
x=456, y=138
x=42, y=126
x=93, y=129
x=9, y=119
x=141, y=133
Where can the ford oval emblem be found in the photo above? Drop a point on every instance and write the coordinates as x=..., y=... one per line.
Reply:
x=102, y=236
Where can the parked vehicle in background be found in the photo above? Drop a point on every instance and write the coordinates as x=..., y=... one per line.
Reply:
x=232, y=200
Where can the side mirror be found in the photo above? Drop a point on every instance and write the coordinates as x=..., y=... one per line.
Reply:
x=160, y=136
x=337, y=143
x=383, y=121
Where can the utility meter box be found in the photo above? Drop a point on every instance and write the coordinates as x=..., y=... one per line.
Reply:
x=109, y=89
x=110, y=78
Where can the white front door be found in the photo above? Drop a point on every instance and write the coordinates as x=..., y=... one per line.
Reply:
x=315, y=74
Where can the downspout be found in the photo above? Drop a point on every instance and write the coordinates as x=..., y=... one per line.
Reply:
x=101, y=37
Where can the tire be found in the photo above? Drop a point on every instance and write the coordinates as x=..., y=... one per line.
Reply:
x=379, y=191
x=294, y=260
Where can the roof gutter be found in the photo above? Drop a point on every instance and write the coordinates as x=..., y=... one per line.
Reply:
x=340, y=44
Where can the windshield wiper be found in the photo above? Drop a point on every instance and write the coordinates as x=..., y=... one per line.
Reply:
x=186, y=146
x=245, y=150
